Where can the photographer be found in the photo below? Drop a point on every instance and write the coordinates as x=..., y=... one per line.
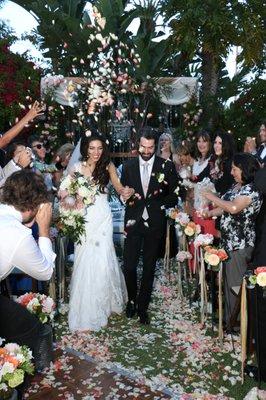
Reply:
x=24, y=200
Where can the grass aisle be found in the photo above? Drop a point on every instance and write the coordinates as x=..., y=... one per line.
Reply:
x=174, y=354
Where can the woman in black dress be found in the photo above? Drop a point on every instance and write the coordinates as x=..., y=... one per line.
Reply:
x=221, y=162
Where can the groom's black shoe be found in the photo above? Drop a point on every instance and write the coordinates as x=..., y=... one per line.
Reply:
x=130, y=309
x=144, y=318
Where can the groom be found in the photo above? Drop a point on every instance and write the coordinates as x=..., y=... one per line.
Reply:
x=155, y=182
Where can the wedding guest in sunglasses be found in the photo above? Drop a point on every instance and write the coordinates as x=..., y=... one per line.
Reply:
x=40, y=165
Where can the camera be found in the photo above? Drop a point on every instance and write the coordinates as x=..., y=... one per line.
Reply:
x=29, y=150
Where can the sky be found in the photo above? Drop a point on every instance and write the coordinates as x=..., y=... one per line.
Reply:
x=22, y=21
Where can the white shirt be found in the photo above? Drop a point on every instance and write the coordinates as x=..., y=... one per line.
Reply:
x=263, y=153
x=19, y=249
x=7, y=171
x=150, y=166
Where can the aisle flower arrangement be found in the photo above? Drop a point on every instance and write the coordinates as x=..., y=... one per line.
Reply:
x=213, y=257
x=39, y=304
x=15, y=362
x=259, y=277
x=76, y=193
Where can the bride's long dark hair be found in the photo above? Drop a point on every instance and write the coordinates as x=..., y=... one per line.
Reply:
x=100, y=173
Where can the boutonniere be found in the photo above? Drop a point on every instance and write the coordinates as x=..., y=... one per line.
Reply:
x=159, y=176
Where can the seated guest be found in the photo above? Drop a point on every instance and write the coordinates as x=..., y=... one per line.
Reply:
x=24, y=199
x=238, y=208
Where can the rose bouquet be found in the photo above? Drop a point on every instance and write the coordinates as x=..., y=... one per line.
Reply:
x=76, y=193
x=192, y=229
x=39, y=304
x=213, y=257
x=259, y=278
x=15, y=361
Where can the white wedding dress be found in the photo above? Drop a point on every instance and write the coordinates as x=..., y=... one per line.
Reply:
x=97, y=286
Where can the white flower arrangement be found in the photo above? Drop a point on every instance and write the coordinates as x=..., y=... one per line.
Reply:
x=203, y=240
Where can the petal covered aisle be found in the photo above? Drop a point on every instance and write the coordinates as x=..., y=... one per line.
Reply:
x=175, y=357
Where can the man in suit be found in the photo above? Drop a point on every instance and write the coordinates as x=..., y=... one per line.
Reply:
x=155, y=183
x=261, y=153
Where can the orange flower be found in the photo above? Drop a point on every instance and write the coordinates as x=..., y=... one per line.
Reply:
x=222, y=254
x=192, y=225
x=11, y=360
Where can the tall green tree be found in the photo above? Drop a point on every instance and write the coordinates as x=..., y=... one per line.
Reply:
x=207, y=30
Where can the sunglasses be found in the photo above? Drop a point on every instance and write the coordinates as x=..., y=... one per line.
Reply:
x=38, y=146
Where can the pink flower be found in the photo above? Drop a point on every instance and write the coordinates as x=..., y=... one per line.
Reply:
x=259, y=270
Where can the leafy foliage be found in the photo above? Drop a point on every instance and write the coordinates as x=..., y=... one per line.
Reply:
x=19, y=83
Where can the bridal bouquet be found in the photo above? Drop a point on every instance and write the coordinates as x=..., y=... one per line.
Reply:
x=76, y=193
x=15, y=361
x=39, y=304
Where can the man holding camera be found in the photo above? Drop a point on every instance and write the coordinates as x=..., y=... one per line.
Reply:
x=24, y=200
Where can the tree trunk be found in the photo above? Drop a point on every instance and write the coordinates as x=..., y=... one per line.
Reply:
x=210, y=78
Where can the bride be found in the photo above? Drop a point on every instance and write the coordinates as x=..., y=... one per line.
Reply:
x=97, y=286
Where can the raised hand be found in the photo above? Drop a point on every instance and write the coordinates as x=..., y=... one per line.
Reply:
x=24, y=158
x=43, y=219
x=35, y=110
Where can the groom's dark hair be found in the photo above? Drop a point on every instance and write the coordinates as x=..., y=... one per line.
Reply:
x=148, y=133
x=24, y=190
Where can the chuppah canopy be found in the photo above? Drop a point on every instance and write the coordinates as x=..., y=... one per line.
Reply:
x=172, y=91
x=176, y=91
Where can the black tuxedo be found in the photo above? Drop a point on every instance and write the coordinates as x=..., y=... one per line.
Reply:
x=146, y=236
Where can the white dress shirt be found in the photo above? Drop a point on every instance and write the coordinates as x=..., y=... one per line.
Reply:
x=150, y=166
x=19, y=249
x=263, y=153
x=7, y=171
